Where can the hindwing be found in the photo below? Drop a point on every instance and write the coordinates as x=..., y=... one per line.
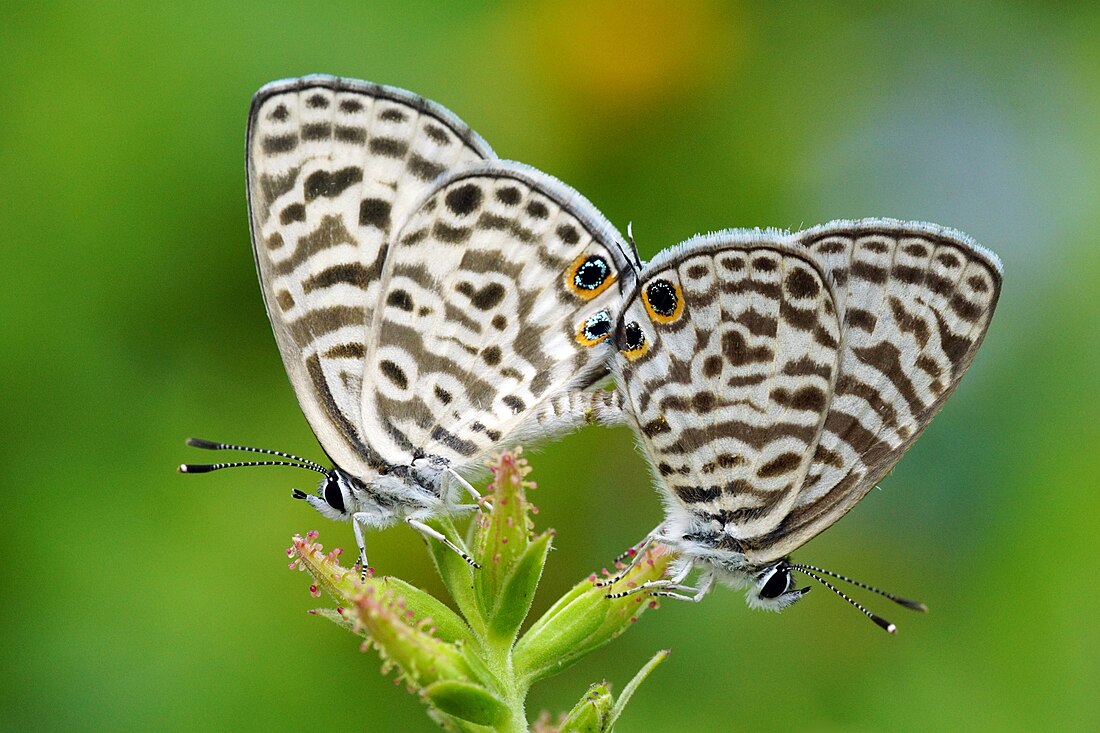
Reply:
x=917, y=300
x=486, y=294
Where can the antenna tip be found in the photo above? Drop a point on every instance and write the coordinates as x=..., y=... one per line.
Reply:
x=200, y=443
x=182, y=468
x=882, y=623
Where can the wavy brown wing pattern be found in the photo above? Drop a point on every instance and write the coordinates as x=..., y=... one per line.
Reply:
x=728, y=353
x=494, y=292
x=916, y=301
x=335, y=167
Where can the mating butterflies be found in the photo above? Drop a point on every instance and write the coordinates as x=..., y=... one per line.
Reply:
x=430, y=301
x=774, y=378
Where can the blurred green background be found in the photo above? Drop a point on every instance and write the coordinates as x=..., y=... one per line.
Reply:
x=137, y=599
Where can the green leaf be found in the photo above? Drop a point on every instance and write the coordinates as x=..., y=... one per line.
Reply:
x=632, y=686
x=466, y=701
x=457, y=575
x=592, y=713
x=553, y=646
x=345, y=586
x=473, y=654
x=422, y=658
x=514, y=599
x=425, y=607
x=586, y=619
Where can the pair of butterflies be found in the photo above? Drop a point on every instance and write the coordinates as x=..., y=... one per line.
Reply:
x=433, y=303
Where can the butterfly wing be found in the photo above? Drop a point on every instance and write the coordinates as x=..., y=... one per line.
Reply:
x=916, y=302
x=486, y=293
x=335, y=168
x=728, y=352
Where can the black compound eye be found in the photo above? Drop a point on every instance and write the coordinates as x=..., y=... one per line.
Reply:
x=663, y=301
x=334, y=497
x=595, y=329
x=778, y=584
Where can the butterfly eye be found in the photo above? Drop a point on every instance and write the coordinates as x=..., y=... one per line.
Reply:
x=777, y=584
x=588, y=276
x=664, y=301
x=334, y=497
x=594, y=329
x=634, y=343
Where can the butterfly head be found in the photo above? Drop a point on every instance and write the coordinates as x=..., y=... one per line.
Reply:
x=773, y=587
x=335, y=497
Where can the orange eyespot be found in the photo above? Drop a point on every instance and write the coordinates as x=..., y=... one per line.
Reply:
x=588, y=276
x=634, y=343
x=594, y=329
x=664, y=301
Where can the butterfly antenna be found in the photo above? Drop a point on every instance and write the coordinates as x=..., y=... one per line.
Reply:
x=632, y=257
x=881, y=622
x=914, y=605
x=294, y=461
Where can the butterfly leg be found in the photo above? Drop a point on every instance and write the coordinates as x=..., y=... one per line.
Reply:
x=667, y=584
x=684, y=593
x=673, y=587
x=357, y=527
x=635, y=554
x=469, y=488
x=429, y=532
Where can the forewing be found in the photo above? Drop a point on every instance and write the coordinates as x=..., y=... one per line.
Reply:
x=334, y=169
x=916, y=302
x=486, y=293
x=729, y=380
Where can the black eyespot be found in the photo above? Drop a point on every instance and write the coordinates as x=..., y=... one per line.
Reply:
x=597, y=326
x=662, y=297
x=633, y=338
x=778, y=584
x=333, y=496
x=591, y=273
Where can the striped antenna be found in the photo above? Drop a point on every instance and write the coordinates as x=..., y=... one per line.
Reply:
x=913, y=605
x=294, y=461
x=813, y=571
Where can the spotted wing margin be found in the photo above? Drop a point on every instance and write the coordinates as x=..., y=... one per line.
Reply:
x=335, y=167
x=916, y=300
x=729, y=389
x=481, y=312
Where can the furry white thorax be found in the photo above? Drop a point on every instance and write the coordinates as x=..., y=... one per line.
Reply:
x=696, y=542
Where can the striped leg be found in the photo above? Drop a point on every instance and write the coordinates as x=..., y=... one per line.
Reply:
x=673, y=587
x=429, y=532
x=469, y=489
x=357, y=527
x=635, y=553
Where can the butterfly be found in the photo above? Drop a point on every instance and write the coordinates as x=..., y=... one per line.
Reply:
x=774, y=378
x=430, y=301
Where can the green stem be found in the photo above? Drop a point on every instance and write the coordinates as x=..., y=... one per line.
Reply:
x=513, y=689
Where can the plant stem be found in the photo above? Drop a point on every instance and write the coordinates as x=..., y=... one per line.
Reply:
x=513, y=689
